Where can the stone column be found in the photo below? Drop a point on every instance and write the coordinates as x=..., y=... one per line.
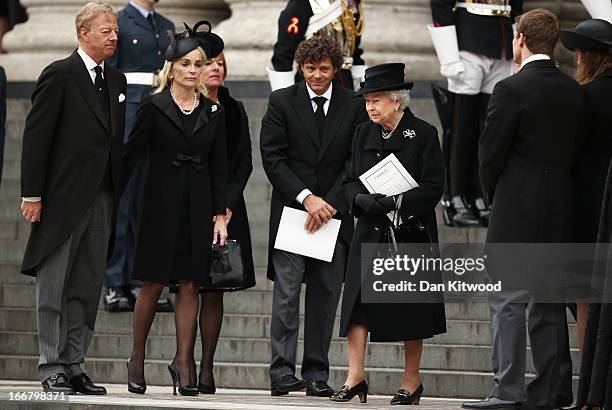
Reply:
x=49, y=34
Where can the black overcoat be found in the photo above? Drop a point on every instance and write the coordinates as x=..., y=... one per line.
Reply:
x=177, y=161
x=595, y=385
x=526, y=154
x=422, y=157
x=240, y=165
x=67, y=142
x=294, y=159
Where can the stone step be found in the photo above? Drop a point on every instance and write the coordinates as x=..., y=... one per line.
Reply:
x=254, y=301
x=14, y=230
x=11, y=250
x=459, y=332
x=438, y=383
x=257, y=350
x=11, y=169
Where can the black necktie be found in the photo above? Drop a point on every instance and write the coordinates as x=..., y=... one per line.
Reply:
x=102, y=91
x=320, y=115
x=151, y=20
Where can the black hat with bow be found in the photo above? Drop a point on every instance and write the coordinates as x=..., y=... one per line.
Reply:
x=593, y=34
x=181, y=44
x=384, y=77
x=211, y=43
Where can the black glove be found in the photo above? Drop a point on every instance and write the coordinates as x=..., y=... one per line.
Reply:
x=368, y=203
x=387, y=203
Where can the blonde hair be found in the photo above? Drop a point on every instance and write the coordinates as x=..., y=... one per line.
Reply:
x=593, y=63
x=90, y=11
x=164, y=76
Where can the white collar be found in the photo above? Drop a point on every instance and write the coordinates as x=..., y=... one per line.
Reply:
x=145, y=13
x=327, y=94
x=89, y=62
x=534, y=57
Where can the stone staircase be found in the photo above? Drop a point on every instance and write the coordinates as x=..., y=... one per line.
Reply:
x=455, y=364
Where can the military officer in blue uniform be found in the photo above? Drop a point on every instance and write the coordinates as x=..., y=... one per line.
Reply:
x=144, y=36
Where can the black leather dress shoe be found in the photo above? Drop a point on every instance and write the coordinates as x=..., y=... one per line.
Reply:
x=83, y=384
x=319, y=389
x=492, y=403
x=285, y=384
x=57, y=383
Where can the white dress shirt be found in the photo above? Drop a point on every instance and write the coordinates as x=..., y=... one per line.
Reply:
x=145, y=13
x=327, y=94
x=89, y=64
x=535, y=57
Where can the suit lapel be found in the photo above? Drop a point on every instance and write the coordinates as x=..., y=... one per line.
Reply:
x=112, y=82
x=167, y=106
x=138, y=18
x=335, y=114
x=305, y=113
x=206, y=113
x=87, y=88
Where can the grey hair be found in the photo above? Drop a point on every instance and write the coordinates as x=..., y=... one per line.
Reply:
x=402, y=96
x=90, y=11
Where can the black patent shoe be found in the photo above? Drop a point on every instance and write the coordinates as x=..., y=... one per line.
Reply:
x=482, y=211
x=135, y=387
x=404, y=397
x=464, y=217
x=448, y=212
x=285, y=384
x=57, y=383
x=117, y=300
x=346, y=394
x=319, y=389
x=83, y=384
x=184, y=390
x=206, y=388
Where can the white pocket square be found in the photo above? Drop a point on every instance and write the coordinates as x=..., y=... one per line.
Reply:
x=121, y=98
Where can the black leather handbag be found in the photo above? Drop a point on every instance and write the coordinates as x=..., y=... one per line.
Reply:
x=226, y=268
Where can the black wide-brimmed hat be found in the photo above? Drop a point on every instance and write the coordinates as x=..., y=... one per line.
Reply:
x=181, y=44
x=593, y=34
x=210, y=42
x=384, y=77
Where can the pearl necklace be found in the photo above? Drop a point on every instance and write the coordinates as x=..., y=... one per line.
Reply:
x=193, y=107
x=387, y=135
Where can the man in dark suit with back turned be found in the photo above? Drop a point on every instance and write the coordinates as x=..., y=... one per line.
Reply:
x=306, y=138
x=526, y=152
x=71, y=180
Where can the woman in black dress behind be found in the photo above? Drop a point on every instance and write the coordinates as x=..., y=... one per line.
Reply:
x=184, y=135
x=392, y=129
x=240, y=166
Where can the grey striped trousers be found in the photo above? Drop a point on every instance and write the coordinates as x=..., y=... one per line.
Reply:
x=68, y=288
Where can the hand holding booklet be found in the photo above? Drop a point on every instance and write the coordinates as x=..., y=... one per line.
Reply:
x=388, y=177
x=292, y=237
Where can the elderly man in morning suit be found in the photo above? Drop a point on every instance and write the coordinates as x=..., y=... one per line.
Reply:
x=71, y=181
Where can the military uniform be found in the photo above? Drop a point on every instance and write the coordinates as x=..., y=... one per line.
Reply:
x=140, y=56
x=473, y=40
x=301, y=19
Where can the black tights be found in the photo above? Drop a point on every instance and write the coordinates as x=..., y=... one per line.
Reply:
x=185, y=317
x=211, y=317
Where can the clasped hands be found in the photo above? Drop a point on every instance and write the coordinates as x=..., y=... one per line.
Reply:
x=319, y=212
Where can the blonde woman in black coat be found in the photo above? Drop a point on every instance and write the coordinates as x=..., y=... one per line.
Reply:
x=184, y=135
x=392, y=128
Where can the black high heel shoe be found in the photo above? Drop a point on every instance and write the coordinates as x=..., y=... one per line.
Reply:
x=133, y=387
x=403, y=396
x=346, y=394
x=184, y=390
x=206, y=388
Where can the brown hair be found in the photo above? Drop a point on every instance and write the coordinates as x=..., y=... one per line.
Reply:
x=90, y=11
x=592, y=64
x=316, y=49
x=541, y=30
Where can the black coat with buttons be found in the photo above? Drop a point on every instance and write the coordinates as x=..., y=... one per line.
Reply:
x=419, y=152
x=178, y=161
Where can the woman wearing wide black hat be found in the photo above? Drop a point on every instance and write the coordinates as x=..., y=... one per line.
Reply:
x=184, y=135
x=592, y=42
x=392, y=129
x=238, y=143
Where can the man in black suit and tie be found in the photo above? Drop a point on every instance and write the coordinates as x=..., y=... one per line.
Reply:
x=306, y=138
x=526, y=150
x=71, y=181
